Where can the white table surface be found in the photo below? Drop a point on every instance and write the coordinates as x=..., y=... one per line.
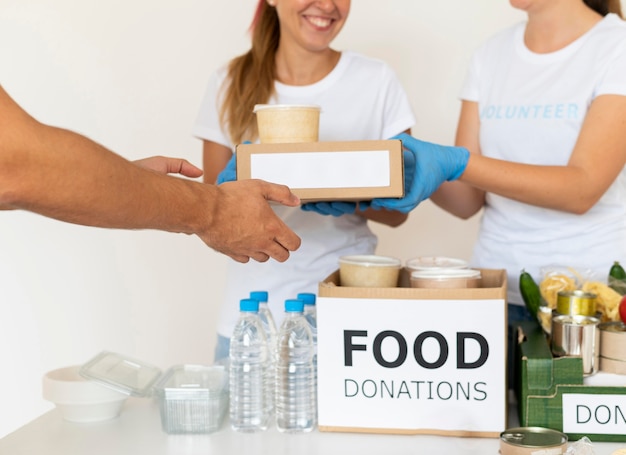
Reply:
x=137, y=431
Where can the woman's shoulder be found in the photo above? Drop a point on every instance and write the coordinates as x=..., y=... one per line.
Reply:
x=357, y=58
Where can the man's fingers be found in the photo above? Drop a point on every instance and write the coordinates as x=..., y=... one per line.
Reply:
x=281, y=194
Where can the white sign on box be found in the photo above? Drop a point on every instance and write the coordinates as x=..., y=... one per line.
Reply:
x=412, y=366
x=323, y=169
x=594, y=414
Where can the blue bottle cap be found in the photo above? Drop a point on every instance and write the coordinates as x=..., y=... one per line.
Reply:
x=261, y=296
x=249, y=305
x=294, y=306
x=307, y=297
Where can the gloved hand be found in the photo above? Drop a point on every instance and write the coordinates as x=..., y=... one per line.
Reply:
x=409, y=173
x=431, y=165
x=334, y=208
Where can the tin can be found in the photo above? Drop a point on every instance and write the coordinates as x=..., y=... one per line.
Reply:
x=577, y=303
x=531, y=440
x=613, y=340
x=577, y=336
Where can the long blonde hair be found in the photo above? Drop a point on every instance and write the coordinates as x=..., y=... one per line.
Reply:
x=251, y=77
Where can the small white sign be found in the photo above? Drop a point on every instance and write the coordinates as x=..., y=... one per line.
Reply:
x=412, y=364
x=354, y=169
x=594, y=414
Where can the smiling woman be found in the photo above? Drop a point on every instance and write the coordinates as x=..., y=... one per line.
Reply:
x=291, y=62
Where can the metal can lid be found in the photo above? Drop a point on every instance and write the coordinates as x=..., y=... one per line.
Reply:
x=533, y=437
x=576, y=302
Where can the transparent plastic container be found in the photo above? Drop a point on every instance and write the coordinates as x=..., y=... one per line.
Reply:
x=192, y=398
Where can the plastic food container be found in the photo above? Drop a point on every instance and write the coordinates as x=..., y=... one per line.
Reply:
x=369, y=270
x=446, y=278
x=192, y=398
x=435, y=263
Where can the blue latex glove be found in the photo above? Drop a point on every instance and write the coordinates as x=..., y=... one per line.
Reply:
x=431, y=165
x=335, y=208
x=229, y=173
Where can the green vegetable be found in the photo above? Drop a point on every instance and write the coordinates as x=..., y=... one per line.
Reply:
x=530, y=292
x=617, y=278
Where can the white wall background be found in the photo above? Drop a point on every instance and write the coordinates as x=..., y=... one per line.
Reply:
x=130, y=74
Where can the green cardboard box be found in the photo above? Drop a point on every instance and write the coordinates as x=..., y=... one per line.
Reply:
x=551, y=394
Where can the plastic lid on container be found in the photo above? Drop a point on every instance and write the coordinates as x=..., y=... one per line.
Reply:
x=261, y=296
x=307, y=297
x=371, y=260
x=249, y=305
x=446, y=274
x=193, y=378
x=121, y=373
x=294, y=306
x=260, y=107
x=435, y=263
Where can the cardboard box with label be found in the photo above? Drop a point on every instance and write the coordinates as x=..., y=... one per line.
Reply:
x=411, y=360
x=327, y=171
x=551, y=393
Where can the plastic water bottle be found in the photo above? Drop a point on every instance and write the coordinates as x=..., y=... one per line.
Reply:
x=267, y=319
x=295, y=406
x=310, y=314
x=249, y=370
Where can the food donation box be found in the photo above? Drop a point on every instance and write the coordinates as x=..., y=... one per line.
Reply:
x=327, y=171
x=552, y=392
x=413, y=360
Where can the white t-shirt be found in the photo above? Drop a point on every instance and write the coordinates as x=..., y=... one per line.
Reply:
x=360, y=99
x=532, y=107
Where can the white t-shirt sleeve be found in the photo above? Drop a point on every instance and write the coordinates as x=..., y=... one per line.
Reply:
x=613, y=81
x=398, y=114
x=207, y=124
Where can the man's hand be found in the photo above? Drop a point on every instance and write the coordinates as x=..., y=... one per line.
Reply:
x=167, y=165
x=243, y=224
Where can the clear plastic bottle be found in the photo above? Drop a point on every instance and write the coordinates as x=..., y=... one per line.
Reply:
x=310, y=314
x=249, y=371
x=267, y=319
x=295, y=405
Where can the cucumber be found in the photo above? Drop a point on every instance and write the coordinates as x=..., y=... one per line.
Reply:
x=530, y=292
x=617, y=278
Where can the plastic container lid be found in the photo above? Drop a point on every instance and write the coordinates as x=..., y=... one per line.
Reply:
x=435, y=263
x=191, y=380
x=260, y=107
x=294, y=306
x=445, y=274
x=371, y=260
x=121, y=373
x=249, y=305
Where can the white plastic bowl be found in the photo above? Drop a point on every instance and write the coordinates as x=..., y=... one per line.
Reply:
x=79, y=399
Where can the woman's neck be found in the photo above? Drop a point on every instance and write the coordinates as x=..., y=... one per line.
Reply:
x=299, y=67
x=557, y=25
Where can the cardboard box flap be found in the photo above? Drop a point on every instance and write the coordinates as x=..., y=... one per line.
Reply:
x=493, y=286
x=540, y=370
